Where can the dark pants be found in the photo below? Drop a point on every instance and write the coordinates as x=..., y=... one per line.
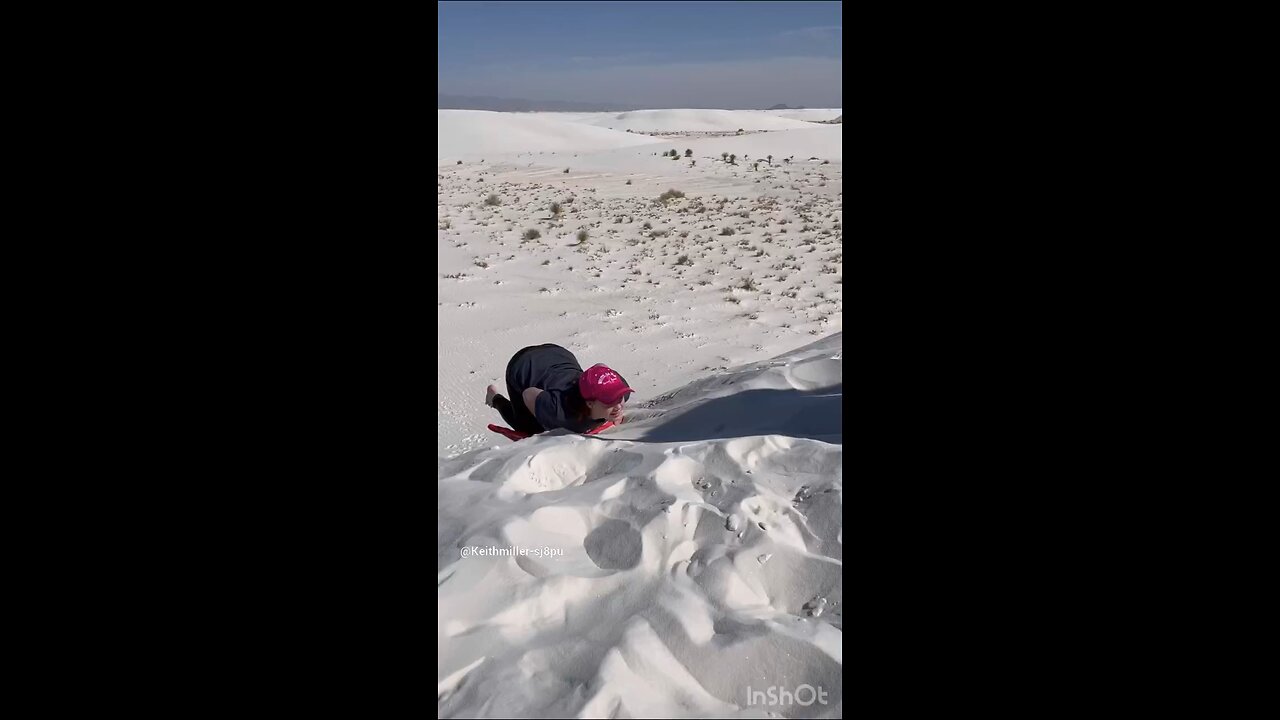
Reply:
x=522, y=422
x=516, y=413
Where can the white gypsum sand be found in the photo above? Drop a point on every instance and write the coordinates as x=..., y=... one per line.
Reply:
x=699, y=545
x=666, y=303
x=691, y=120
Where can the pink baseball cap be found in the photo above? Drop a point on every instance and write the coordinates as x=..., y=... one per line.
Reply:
x=602, y=384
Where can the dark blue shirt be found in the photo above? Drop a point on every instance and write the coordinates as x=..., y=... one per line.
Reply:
x=555, y=371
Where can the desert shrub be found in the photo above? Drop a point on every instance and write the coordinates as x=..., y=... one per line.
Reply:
x=492, y=200
x=546, y=262
x=733, y=159
x=684, y=260
x=646, y=226
x=532, y=234
x=482, y=264
x=566, y=170
x=670, y=195
x=582, y=236
x=688, y=153
x=724, y=156
x=726, y=231
x=556, y=209
x=628, y=182
x=459, y=162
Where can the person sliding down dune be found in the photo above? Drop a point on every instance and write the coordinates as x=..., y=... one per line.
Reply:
x=550, y=390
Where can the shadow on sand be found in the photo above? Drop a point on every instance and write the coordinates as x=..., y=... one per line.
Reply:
x=793, y=413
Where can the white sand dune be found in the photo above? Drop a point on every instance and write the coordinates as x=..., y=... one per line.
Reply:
x=466, y=134
x=821, y=141
x=469, y=135
x=687, y=120
x=809, y=114
x=698, y=545
x=824, y=142
x=698, y=559
x=659, y=290
x=796, y=394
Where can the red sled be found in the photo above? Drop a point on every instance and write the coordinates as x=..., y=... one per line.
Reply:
x=517, y=435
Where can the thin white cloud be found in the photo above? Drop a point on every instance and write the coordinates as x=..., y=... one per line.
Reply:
x=822, y=31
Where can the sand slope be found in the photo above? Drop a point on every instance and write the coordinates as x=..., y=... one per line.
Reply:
x=692, y=569
x=465, y=134
x=659, y=290
x=690, y=120
x=820, y=141
x=796, y=394
x=810, y=114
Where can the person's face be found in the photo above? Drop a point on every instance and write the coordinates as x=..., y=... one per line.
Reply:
x=604, y=411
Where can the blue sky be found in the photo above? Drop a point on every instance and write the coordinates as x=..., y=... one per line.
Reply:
x=654, y=54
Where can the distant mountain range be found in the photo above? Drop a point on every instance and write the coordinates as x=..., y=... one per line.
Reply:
x=466, y=102
x=784, y=107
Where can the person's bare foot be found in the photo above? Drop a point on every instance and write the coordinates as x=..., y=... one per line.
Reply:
x=489, y=393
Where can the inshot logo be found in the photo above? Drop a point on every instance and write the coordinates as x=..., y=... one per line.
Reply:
x=805, y=695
